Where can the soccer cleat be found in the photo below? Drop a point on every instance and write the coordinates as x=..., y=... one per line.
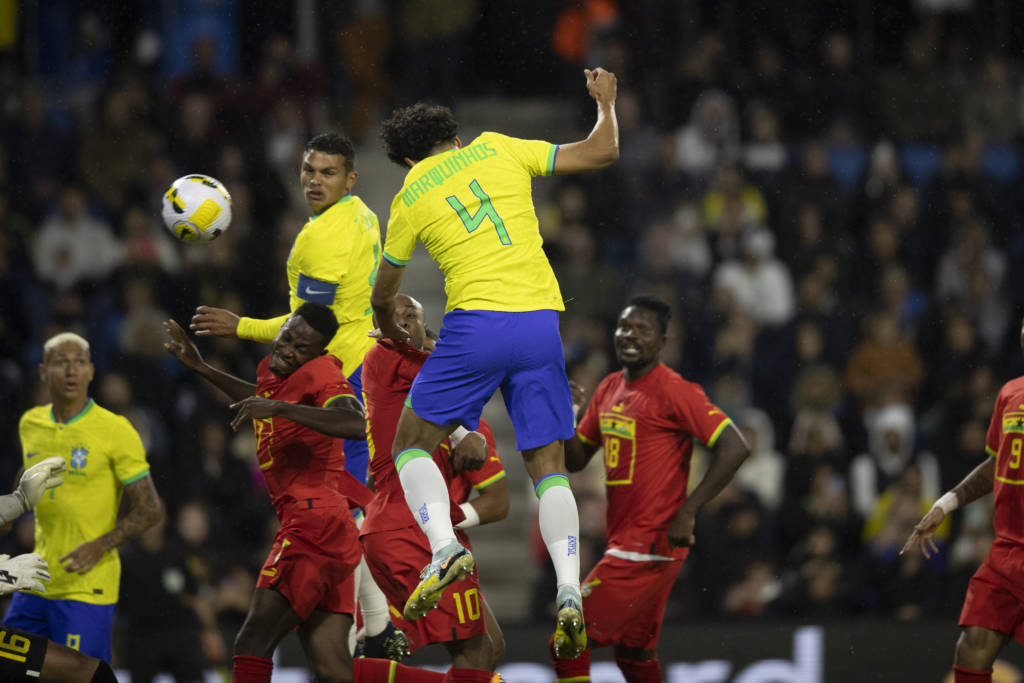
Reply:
x=570, y=632
x=390, y=643
x=452, y=563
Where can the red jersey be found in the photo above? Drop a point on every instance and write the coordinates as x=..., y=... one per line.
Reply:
x=647, y=429
x=1004, y=442
x=388, y=371
x=299, y=463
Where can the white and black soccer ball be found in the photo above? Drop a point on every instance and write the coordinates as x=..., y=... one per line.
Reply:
x=196, y=208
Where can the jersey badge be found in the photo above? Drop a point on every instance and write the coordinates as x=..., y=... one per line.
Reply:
x=1013, y=423
x=619, y=407
x=79, y=457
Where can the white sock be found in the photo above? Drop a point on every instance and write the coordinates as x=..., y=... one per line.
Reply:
x=372, y=602
x=560, y=528
x=426, y=494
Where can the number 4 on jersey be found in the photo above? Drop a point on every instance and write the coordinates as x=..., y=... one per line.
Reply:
x=486, y=210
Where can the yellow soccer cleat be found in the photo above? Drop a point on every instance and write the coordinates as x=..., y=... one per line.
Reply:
x=570, y=631
x=452, y=563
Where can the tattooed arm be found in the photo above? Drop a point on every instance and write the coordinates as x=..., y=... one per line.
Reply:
x=144, y=510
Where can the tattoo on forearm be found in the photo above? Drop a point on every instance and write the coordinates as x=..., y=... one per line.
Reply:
x=144, y=512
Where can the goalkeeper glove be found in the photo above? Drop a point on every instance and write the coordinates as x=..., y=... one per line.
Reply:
x=37, y=479
x=23, y=572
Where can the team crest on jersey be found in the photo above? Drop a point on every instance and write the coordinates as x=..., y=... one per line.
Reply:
x=1013, y=423
x=79, y=457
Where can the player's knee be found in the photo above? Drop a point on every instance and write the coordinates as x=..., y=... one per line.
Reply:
x=977, y=648
x=251, y=642
x=103, y=674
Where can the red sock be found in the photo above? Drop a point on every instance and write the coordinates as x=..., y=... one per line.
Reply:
x=247, y=669
x=374, y=670
x=570, y=670
x=964, y=675
x=468, y=676
x=640, y=672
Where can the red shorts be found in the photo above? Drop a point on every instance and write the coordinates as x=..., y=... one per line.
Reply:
x=995, y=595
x=624, y=601
x=313, y=560
x=396, y=559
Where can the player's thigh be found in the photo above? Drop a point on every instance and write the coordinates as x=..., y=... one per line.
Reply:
x=978, y=647
x=82, y=626
x=62, y=664
x=324, y=638
x=536, y=388
x=28, y=613
x=270, y=618
x=495, y=634
x=22, y=655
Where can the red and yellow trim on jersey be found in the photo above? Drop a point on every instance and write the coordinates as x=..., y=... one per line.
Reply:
x=489, y=480
x=586, y=440
x=574, y=679
x=718, y=431
x=332, y=399
x=1011, y=482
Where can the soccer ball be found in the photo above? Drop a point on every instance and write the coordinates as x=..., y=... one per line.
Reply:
x=197, y=208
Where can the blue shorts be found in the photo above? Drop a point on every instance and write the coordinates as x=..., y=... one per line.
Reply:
x=81, y=626
x=357, y=454
x=481, y=351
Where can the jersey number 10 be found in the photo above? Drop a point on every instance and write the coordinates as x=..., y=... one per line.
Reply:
x=486, y=210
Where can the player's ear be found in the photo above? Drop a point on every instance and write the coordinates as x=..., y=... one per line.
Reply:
x=350, y=181
x=42, y=371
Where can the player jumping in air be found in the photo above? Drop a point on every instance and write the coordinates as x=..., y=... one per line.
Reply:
x=333, y=261
x=472, y=208
x=646, y=418
x=993, y=610
x=300, y=405
x=392, y=541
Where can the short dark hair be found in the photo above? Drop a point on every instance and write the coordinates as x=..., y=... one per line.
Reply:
x=412, y=132
x=321, y=318
x=655, y=305
x=334, y=143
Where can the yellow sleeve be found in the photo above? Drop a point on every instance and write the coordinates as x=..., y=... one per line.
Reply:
x=260, y=329
x=129, y=454
x=401, y=238
x=536, y=156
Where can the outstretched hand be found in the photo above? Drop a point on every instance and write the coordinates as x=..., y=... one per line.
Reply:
x=39, y=478
x=602, y=85
x=181, y=347
x=214, y=322
x=924, y=533
x=253, y=408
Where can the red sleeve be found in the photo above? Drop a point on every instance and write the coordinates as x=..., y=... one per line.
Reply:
x=995, y=428
x=589, y=428
x=696, y=413
x=492, y=470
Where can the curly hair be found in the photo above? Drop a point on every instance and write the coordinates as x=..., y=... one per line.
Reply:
x=334, y=143
x=412, y=132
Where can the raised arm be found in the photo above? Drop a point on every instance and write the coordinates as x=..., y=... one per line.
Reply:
x=382, y=300
x=975, y=485
x=144, y=510
x=728, y=453
x=182, y=348
x=220, y=322
x=601, y=147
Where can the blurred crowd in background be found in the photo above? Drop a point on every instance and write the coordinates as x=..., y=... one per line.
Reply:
x=829, y=195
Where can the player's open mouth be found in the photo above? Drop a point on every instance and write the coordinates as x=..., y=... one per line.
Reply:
x=315, y=194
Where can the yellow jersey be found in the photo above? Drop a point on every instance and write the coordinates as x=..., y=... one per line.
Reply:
x=473, y=210
x=104, y=454
x=333, y=262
